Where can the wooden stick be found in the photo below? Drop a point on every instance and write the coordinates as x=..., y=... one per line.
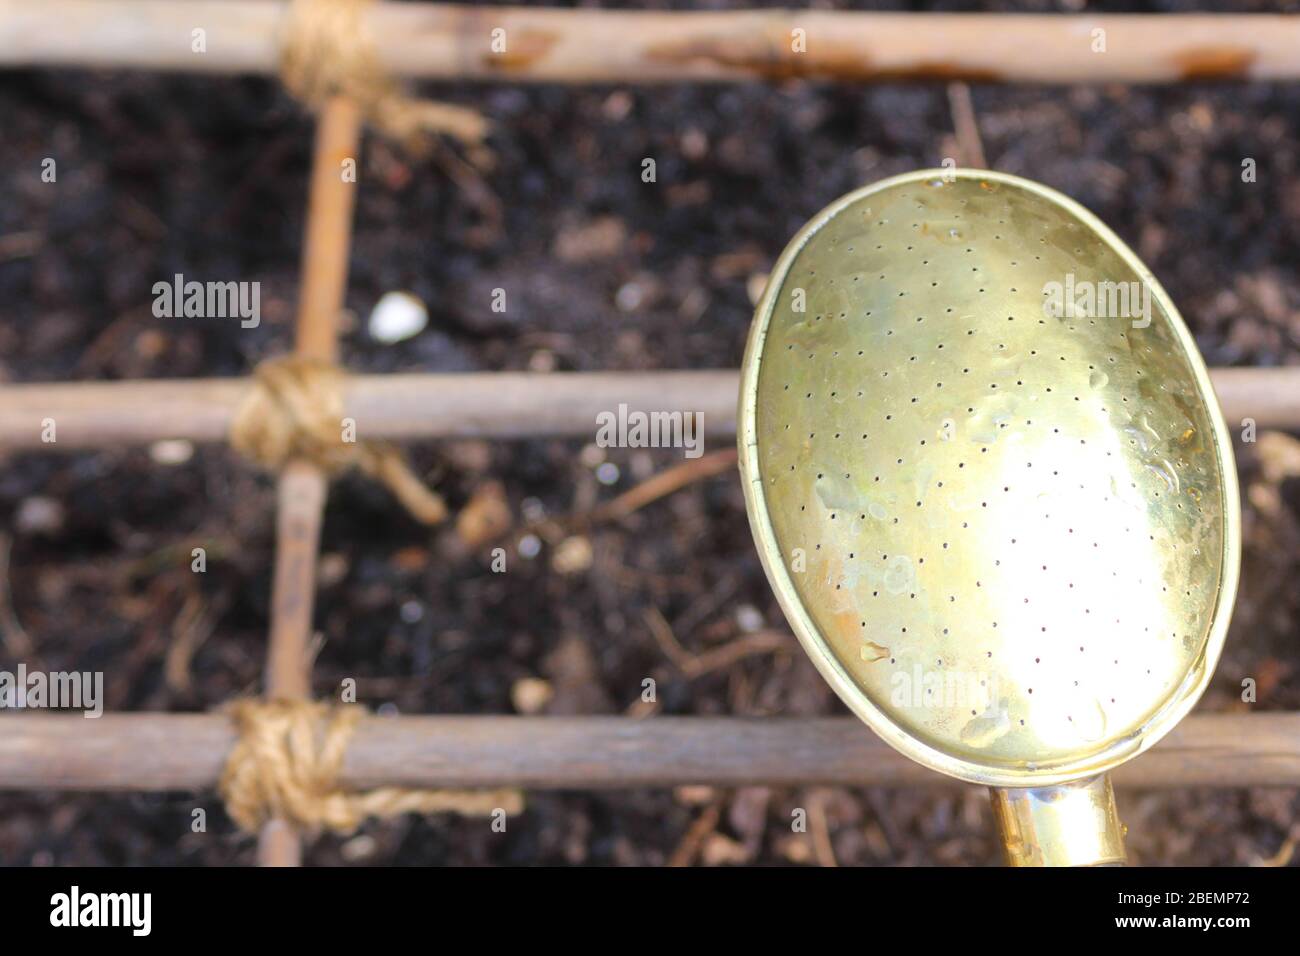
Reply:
x=187, y=751
x=966, y=127
x=665, y=483
x=300, y=500
x=302, y=484
x=299, y=503
x=455, y=42
x=327, y=242
x=480, y=404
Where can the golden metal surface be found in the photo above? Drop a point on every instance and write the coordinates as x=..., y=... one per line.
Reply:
x=1071, y=824
x=1009, y=539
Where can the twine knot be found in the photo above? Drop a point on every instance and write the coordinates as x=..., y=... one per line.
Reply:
x=286, y=765
x=326, y=51
x=294, y=409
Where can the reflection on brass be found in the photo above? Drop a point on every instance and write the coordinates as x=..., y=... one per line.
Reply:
x=988, y=477
x=1071, y=824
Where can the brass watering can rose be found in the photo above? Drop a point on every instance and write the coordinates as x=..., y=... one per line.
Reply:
x=993, y=491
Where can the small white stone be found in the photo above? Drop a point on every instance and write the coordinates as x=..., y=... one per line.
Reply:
x=530, y=695
x=572, y=555
x=629, y=297
x=749, y=619
x=171, y=451
x=39, y=515
x=359, y=848
x=529, y=546
x=397, y=316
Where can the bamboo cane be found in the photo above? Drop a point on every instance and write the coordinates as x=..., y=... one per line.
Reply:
x=140, y=752
x=464, y=42
x=302, y=484
x=468, y=405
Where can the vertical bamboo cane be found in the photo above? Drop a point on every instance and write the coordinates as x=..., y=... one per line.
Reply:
x=302, y=485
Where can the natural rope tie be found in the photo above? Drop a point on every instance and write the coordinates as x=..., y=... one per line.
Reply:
x=286, y=765
x=325, y=51
x=294, y=409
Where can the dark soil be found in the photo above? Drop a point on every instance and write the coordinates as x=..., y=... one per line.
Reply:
x=207, y=177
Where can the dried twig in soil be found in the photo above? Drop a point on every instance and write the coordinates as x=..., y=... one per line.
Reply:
x=819, y=829
x=689, y=848
x=665, y=483
x=719, y=658
x=970, y=149
x=17, y=642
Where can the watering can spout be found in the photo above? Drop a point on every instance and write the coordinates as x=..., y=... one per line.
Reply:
x=1073, y=824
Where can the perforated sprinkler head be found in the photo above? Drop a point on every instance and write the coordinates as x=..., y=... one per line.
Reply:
x=993, y=490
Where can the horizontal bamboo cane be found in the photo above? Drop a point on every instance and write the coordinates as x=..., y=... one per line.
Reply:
x=154, y=751
x=447, y=41
x=487, y=404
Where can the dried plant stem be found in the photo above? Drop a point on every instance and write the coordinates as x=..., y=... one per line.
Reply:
x=966, y=127
x=665, y=483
